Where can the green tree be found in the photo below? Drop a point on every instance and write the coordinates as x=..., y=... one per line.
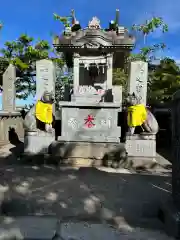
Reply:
x=147, y=53
x=23, y=53
x=163, y=81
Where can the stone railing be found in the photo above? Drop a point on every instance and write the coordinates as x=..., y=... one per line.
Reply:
x=13, y=121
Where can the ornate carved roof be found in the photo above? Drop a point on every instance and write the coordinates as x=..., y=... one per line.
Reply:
x=93, y=37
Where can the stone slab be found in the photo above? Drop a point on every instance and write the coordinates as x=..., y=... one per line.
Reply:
x=101, y=128
x=37, y=143
x=29, y=228
x=138, y=80
x=141, y=146
x=45, y=77
x=9, y=92
x=84, y=152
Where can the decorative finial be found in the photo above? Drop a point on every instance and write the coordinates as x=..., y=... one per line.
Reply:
x=117, y=18
x=73, y=17
x=94, y=23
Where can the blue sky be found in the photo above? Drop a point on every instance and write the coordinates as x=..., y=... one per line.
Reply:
x=35, y=18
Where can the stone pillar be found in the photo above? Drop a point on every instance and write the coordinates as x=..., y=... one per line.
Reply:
x=76, y=72
x=138, y=78
x=9, y=91
x=109, y=70
x=45, y=77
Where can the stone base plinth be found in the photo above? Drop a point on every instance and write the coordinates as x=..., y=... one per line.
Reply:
x=87, y=153
x=37, y=142
x=141, y=149
x=170, y=216
x=141, y=146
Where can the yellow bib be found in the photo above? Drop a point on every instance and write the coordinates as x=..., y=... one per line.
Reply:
x=43, y=112
x=137, y=115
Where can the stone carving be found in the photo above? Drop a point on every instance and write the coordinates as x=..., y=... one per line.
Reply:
x=138, y=80
x=9, y=78
x=94, y=23
x=149, y=122
x=32, y=122
x=45, y=77
x=89, y=121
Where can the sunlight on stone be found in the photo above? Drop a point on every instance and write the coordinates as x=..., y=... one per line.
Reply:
x=106, y=213
x=50, y=167
x=43, y=179
x=10, y=170
x=112, y=170
x=13, y=233
x=52, y=196
x=4, y=188
x=31, y=180
x=122, y=224
x=70, y=176
x=84, y=187
x=23, y=188
x=91, y=204
x=15, y=180
x=8, y=220
x=35, y=168
x=63, y=204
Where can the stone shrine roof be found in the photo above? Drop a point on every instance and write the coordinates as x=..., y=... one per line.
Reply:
x=94, y=37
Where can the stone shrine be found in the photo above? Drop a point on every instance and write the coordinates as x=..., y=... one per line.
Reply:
x=90, y=118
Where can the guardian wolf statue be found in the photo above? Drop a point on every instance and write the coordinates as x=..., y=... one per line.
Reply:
x=40, y=116
x=140, y=116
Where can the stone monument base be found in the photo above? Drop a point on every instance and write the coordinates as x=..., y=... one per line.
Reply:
x=37, y=142
x=87, y=153
x=141, y=149
x=170, y=216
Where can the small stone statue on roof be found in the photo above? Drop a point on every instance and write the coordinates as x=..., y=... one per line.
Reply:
x=94, y=23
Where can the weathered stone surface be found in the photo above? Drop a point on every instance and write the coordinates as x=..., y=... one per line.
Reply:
x=138, y=80
x=7, y=121
x=85, y=153
x=45, y=77
x=37, y=142
x=141, y=146
x=96, y=125
x=9, y=92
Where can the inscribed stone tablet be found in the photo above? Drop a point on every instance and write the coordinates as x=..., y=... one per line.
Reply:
x=9, y=93
x=45, y=77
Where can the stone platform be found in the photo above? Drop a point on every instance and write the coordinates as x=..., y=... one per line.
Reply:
x=141, y=149
x=86, y=153
x=36, y=142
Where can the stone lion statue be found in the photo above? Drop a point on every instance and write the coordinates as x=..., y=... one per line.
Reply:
x=140, y=116
x=40, y=116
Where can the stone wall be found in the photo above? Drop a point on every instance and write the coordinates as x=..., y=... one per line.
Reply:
x=7, y=121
